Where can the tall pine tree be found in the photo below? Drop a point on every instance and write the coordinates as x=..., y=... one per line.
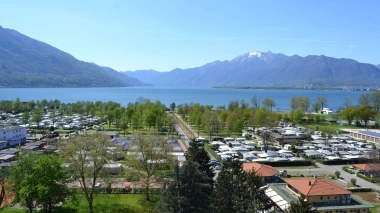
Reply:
x=201, y=156
x=185, y=193
x=238, y=191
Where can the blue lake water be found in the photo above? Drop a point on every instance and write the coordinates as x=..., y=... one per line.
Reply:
x=178, y=95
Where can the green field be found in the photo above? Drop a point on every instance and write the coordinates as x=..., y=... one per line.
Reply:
x=110, y=203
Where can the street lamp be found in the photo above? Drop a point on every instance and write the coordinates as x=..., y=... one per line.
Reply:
x=309, y=171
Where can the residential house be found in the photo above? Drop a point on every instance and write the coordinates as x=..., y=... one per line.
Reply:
x=322, y=193
x=368, y=169
x=266, y=172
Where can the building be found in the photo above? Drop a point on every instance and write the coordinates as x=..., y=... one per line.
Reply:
x=266, y=172
x=326, y=196
x=368, y=169
x=13, y=135
x=367, y=135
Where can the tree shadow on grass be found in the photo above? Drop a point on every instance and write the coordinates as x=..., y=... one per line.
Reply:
x=112, y=208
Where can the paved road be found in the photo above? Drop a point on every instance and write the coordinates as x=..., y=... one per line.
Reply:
x=183, y=136
x=323, y=170
x=347, y=176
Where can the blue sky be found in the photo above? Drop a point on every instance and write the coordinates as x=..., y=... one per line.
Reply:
x=163, y=35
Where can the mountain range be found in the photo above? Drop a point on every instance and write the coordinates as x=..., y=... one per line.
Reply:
x=26, y=62
x=267, y=69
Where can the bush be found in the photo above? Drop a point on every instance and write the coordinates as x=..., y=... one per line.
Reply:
x=337, y=173
x=212, y=152
x=356, y=189
x=287, y=163
x=342, y=161
x=353, y=181
x=348, y=170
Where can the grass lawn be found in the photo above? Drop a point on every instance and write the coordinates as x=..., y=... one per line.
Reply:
x=110, y=203
x=332, y=128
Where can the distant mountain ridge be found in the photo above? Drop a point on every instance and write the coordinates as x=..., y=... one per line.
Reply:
x=26, y=62
x=273, y=70
x=143, y=75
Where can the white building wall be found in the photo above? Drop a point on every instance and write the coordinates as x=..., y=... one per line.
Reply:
x=13, y=134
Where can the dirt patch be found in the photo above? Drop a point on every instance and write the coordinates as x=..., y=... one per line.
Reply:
x=9, y=197
x=369, y=197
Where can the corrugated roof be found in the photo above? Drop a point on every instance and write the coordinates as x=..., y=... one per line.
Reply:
x=316, y=186
x=261, y=169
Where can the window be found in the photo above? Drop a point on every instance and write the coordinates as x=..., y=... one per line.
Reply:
x=328, y=197
x=321, y=197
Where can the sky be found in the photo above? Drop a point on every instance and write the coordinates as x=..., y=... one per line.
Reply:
x=166, y=34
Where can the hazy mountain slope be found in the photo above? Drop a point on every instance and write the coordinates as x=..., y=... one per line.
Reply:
x=26, y=62
x=143, y=75
x=130, y=81
x=270, y=69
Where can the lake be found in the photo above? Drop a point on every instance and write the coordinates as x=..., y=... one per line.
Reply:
x=178, y=95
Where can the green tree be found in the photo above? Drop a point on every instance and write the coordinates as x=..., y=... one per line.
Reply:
x=320, y=103
x=86, y=156
x=297, y=115
x=25, y=118
x=23, y=181
x=366, y=113
x=255, y=198
x=39, y=180
x=302, y=206
x=51, y=181
x=149, y=154
x=349, y=114
x=37, y=116
x=231, y=181
x=185, y=193
x=269, y=103
x=201, y=156
x=172, y=106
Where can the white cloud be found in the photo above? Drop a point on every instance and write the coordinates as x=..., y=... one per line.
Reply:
x=351, y=46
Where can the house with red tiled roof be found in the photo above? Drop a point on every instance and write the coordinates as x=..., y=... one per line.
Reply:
x=326, y=196
x=368, y=169
x=266, y=172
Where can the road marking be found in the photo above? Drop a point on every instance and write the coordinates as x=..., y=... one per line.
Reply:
x=342, y=180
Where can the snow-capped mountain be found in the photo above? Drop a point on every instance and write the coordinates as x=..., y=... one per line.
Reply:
x=274, y=69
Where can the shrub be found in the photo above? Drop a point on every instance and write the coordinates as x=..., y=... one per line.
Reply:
x=337, y=173
x=353, y=181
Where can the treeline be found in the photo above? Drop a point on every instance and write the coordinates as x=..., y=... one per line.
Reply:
x=193, y=188
x=212, y=120
x=141, y=114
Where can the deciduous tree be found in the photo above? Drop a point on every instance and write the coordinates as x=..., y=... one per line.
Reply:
x=86, y=156
x=148, y=155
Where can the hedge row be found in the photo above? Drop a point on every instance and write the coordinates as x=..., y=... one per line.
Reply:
x=342, y=161
x=372, y=180
x=211, y=152
x=360, y=189
x=348, y=170
x=131, y=191
x=286, y=163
